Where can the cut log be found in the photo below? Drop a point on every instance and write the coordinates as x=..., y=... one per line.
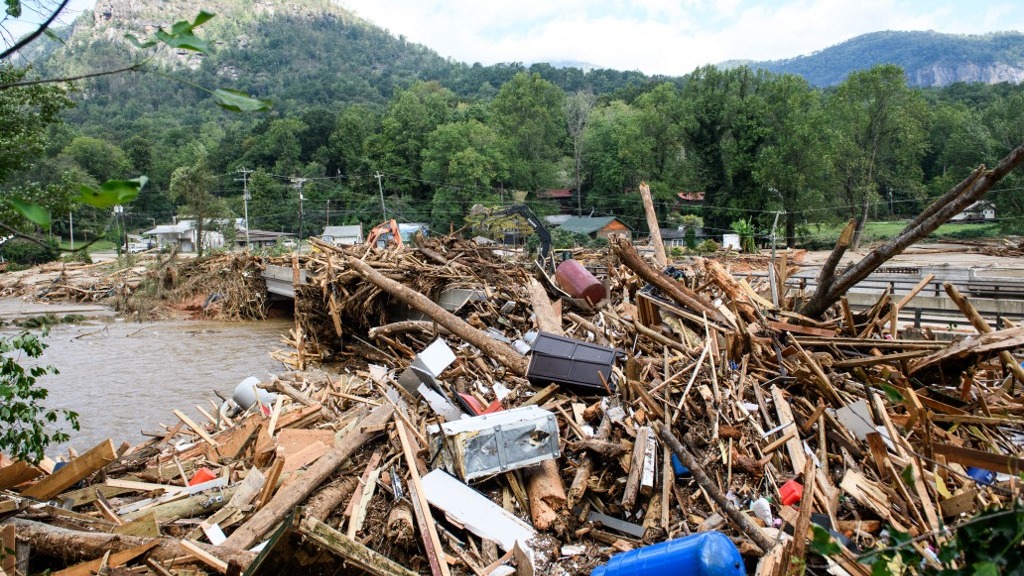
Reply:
x=291, y=496
x=76, y=546
x=652, y=225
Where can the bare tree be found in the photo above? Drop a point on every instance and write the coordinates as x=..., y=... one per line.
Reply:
x=577, y=114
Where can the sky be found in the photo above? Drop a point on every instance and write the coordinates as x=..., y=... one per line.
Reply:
x=671, y=37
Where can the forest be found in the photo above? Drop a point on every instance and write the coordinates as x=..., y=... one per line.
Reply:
x=426, y=139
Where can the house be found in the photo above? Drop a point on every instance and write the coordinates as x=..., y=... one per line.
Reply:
x=184, y=235
x=260, y=238
x=980, y=211
x=677, y=236
x=597, y=226
x=343, y=235
x=562, y=196
x=690, y=198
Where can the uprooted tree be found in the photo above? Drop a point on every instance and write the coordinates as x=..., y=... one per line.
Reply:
x=831, y=286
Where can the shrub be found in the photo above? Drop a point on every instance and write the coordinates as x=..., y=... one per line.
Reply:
x=28, y=253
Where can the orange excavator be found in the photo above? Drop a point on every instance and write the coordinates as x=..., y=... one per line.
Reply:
x=384, y=232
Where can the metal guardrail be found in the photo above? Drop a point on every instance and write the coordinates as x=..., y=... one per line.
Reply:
x=995, y=300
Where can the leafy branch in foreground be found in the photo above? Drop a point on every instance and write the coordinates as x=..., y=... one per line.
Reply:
x=23, y=418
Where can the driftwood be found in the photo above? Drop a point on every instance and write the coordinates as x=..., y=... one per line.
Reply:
x=982, y=327
x=624, y=249
x=743, y=522
x=652, y=225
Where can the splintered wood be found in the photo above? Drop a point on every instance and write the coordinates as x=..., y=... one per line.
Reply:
x=721, y=411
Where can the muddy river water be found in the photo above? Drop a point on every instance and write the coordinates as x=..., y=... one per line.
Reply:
x=126, y=377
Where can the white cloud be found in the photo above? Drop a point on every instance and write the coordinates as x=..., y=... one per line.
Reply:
x=665, y=36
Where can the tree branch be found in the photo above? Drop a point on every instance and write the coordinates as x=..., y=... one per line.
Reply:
x=25, y=41
x=133, y=68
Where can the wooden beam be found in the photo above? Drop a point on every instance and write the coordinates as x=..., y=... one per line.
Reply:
x=203, y=556
x=351, y=551
x=72, y=472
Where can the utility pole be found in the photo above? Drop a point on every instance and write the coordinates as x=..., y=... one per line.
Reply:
x=71, y=217
x=327, y=214
x=380, y=186
x=245, y=202
x=119, y=210
x=298, y=182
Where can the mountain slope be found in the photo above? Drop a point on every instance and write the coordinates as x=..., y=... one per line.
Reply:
x=928, y=58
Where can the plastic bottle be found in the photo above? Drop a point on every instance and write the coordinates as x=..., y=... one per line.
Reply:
x=704, y=554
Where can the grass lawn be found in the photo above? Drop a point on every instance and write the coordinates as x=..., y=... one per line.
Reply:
x=883, y=230
x=98, y=245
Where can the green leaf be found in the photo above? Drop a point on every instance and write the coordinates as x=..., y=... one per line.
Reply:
x=907, y=474
x=135, y=41
x=822, y=542
x=112, y=192
x=237, y=101
x=184, y=40
x=985, y=569
x=892, y=394
x=34, y=212
x=14, y=8
x=50, y=34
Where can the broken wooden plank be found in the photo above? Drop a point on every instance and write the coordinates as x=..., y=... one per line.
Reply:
x=192, y=549
x=72, y=472
x=428, y=530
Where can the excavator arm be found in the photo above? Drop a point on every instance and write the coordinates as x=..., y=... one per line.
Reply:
x=388, y=227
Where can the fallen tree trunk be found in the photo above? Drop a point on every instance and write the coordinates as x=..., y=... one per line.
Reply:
x=73, y=546
x=832, y=287
x=624, y=249
x=291, y=496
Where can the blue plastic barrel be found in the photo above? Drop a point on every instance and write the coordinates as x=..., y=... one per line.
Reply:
x=704, y=554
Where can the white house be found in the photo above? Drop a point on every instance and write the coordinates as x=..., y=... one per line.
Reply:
x=184, y=235
x=343, y=235
x=981, y=210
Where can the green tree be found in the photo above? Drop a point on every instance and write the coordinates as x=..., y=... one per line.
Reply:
x=529, y=113
x=406, y=125
x=878, y=125
x=724, y=133
x=614, y=160
x=793, y=164
x=468, y=158
x=192, y=186
x=99, y=158
x=1006, y=126
x=578, y=107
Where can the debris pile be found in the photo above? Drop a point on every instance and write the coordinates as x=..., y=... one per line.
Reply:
x=226, y=286
x=464, y=423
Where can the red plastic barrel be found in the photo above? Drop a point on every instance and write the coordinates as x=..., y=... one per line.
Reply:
x=579, y=282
